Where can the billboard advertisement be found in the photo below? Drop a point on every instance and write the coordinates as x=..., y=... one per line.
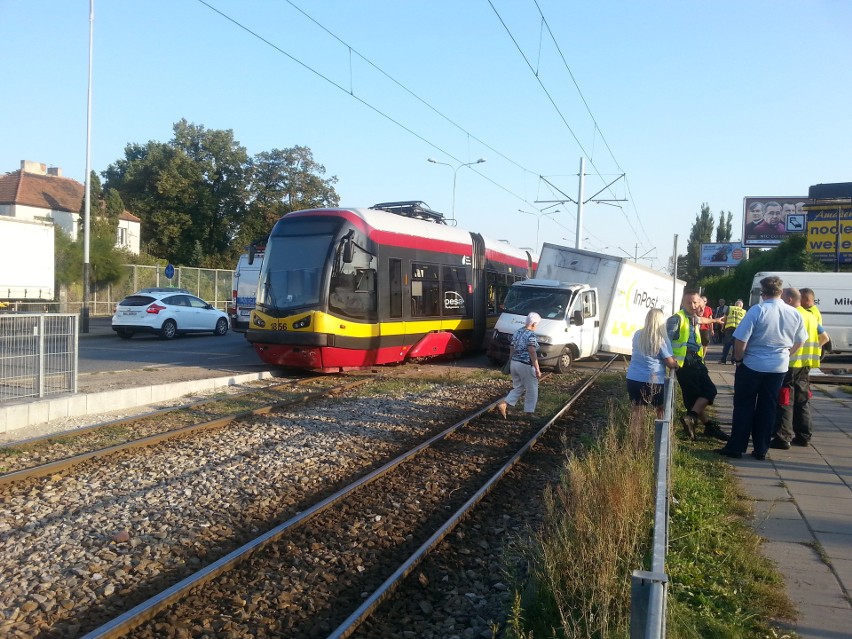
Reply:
x=768, y=220
x=830, y=232
x=722, y=254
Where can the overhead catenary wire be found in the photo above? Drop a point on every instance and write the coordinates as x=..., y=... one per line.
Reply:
x=546, y=25
x=351, y=91
x=352, y=94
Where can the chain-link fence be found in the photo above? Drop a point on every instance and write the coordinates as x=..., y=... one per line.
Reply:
x=38, y=355
x=211, y=285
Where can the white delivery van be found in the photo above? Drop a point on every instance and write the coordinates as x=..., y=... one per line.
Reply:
x=832, y=296
x=588, y=302
x=244, y=288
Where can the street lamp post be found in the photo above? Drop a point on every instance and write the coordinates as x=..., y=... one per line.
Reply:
x=455, y=175
x=538, y=216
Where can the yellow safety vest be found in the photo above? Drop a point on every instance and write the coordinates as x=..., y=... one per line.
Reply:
x=735, y=316
x=813, y=310
x=679, y=343
x=810, y=352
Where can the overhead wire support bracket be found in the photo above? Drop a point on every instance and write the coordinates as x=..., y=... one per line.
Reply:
x=592, y=198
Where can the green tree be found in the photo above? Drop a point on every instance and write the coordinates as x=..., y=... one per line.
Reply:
x=790, y=255
x=105, y=260
x=189, y=193
x=724, y=229
x=201, y=199
x=282, y=181
x=689, y=268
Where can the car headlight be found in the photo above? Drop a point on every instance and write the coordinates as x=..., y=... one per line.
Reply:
x=302, y=323
x=544, y=339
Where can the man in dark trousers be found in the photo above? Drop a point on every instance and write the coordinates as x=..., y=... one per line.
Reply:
x=763, y=342
x=692, y=376
x=793, y=418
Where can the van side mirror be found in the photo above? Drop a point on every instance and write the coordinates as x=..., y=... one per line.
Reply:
x=577, y=318
x=251, y=254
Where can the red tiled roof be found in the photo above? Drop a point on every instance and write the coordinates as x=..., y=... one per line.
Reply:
x=41, y=191
x=129, y=217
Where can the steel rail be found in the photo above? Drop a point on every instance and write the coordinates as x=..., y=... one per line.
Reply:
x=372, y=602
x=149, y=608
x=147, y=415
x=150, y=440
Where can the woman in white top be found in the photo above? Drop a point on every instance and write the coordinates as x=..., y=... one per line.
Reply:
x=652, y=353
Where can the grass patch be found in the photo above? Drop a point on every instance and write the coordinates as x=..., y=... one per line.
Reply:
x=594, y=533
x=719, y=585
x=597, y=529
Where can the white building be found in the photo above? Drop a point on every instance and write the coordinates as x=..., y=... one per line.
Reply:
x=36, y=192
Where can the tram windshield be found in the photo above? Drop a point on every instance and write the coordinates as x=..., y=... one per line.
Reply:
x=293, y=269
x=550, y=304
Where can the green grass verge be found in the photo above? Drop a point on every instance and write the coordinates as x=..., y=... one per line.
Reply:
x=597, y=528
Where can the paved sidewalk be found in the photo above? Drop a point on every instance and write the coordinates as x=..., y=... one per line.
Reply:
x=803, y=508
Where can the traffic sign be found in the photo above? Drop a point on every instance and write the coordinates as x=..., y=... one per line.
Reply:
x=170, y=271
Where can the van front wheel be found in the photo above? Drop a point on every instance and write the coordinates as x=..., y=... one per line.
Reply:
x=565, y=361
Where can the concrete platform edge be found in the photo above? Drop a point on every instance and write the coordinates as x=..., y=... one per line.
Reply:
x=17, y=416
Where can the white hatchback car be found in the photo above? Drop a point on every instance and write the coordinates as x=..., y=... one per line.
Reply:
x=166, y=312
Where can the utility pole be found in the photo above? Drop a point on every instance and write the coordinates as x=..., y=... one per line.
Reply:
x=87, y=208
x=581, y=200
x=578, y=242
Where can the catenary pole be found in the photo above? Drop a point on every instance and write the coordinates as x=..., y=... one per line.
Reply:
x=578, y=242
x=87, y=207
x=674, y=276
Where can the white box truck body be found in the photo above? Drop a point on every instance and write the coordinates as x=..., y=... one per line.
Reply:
x=588, y=302
x=832, y=296
x=26, y=260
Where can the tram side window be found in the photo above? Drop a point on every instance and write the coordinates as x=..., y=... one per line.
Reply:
x=395, y=281
x=455, y=290
x=353, y=284
x=425, y=290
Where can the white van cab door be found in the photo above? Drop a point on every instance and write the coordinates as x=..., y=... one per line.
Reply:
x=585, y=306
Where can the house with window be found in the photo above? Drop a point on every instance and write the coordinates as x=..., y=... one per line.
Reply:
x=38, y=192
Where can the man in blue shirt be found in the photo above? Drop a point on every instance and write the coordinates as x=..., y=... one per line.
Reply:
x=763, y=342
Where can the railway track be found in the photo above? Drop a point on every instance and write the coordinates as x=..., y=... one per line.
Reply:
x=53, y=453
x=301, y=578
x=142, y=521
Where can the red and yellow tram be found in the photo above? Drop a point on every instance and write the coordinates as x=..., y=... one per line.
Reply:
x=349, y=288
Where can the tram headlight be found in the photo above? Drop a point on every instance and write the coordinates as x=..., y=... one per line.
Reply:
x=302, y=323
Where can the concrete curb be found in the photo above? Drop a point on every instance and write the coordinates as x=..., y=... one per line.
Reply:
x=16, y=416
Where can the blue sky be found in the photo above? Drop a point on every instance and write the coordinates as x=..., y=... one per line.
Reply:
x=694, y=101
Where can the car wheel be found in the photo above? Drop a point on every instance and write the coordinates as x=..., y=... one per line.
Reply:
x=124, y=333
x=565, y=361
x=221, y=327
x=168, y=329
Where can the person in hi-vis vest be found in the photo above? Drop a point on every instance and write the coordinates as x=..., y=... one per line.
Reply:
x=732, y=319
x=793, y=416
x=697, y=388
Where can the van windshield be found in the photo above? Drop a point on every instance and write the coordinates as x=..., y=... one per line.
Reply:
x=549, y=303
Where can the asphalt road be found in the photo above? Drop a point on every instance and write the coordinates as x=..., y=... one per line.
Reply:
x=101, y=350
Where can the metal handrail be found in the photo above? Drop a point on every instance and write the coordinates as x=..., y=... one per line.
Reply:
x=649, y=589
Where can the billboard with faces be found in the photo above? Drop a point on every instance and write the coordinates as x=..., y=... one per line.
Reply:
x=768, y=220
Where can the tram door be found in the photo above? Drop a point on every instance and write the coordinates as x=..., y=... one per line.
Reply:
x=479, y=299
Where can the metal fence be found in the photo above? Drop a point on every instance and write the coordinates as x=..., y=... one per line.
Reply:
x=211, y=285
x=649, y=588
x=38, y=355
